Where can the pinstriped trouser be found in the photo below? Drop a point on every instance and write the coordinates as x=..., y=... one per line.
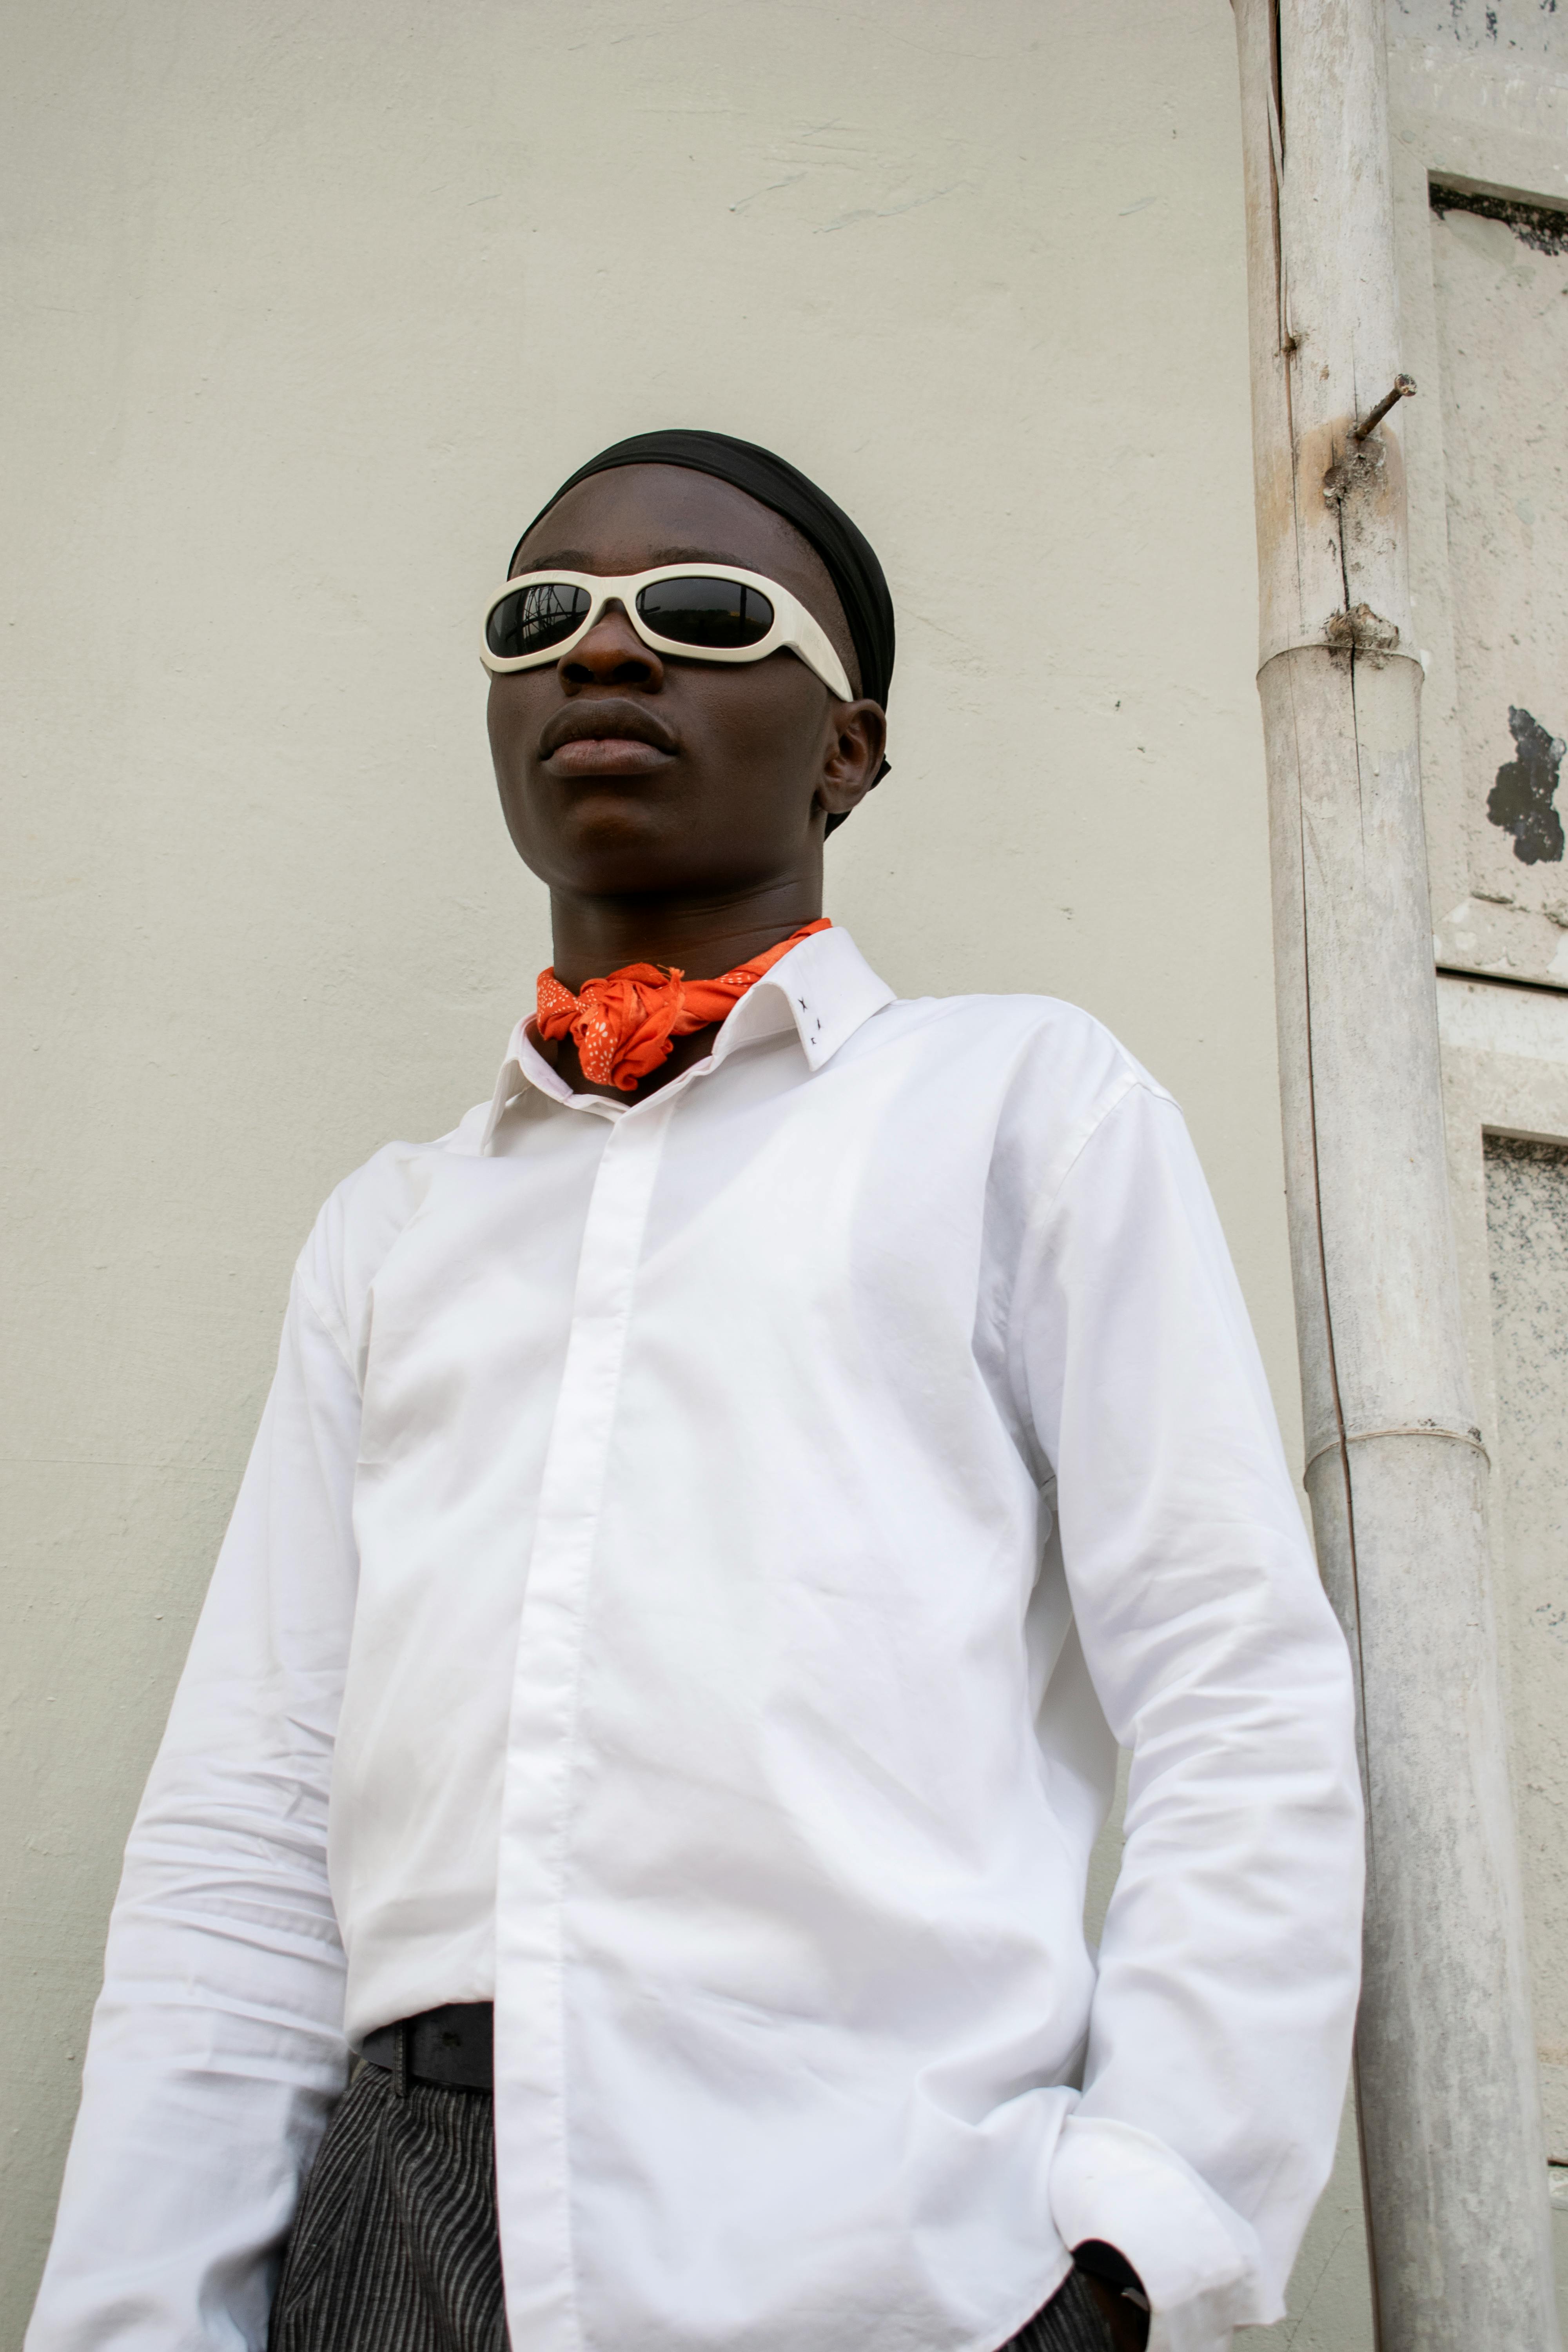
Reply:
x=395, y=2247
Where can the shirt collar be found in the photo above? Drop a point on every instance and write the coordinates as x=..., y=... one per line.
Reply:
x=825, y=988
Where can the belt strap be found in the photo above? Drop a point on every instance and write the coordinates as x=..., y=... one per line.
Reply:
x=454, y=2046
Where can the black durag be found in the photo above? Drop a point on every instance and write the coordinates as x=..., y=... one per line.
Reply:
x=848, y=554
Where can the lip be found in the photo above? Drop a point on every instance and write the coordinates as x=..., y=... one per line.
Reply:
x=606, y=737
x=606, y=755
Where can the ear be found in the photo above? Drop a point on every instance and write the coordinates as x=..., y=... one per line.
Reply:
x=855, y=740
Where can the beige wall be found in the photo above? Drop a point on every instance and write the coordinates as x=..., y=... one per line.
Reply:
x=307, y=309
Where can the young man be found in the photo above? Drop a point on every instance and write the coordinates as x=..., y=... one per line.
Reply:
x=718, y=1512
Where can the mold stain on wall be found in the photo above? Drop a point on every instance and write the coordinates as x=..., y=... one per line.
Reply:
x=1543, y=227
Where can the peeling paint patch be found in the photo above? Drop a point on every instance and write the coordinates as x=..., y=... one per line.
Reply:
x=1520, y=802
x=1541, y=227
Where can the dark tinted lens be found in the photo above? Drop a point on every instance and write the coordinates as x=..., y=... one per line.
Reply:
x=535, y=618
x=703, y=611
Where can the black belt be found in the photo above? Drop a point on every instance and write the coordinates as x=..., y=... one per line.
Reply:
x=455, y=2045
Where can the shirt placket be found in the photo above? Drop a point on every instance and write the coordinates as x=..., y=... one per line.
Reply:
x=531, y=2139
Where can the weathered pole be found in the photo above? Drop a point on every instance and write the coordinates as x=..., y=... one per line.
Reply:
x=1449, y=2096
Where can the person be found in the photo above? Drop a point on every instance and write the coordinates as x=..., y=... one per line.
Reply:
x=718, y=1512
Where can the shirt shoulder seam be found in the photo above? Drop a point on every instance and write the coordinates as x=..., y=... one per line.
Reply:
x=1130, y=1079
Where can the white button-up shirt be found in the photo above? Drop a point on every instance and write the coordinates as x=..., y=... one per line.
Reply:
x=697, y=1564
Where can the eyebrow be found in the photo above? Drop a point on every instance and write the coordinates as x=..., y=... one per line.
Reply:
x=576, y=559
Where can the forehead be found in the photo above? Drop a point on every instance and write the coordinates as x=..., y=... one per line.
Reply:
x=635, y=517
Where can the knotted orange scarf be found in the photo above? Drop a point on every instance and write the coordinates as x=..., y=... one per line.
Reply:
x=622, y=1025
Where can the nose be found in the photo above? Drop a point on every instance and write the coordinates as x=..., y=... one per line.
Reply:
x=612, y=654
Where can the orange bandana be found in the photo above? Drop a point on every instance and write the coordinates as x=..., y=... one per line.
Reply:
x=622, y=1025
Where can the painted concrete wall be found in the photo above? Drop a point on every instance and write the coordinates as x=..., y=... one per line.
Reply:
x=1478, y=104
x=306, y=309
x=1527, y=1231
x=1478, y=109
x=1505, y=1073
x=1502, y=332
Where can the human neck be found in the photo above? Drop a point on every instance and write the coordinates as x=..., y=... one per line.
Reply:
x=701, y=936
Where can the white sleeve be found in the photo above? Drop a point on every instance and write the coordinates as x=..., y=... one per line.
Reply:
x=216, y=2048
x=1219, y=2039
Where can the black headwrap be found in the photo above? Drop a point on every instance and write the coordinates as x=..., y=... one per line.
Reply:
x=848, y=554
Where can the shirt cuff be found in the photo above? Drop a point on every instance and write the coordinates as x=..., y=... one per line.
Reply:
x=1200, y=2263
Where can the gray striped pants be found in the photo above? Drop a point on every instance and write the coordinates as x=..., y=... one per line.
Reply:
x=395, y=2247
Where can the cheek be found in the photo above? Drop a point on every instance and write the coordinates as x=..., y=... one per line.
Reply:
x=512, y=720
x=770, y=716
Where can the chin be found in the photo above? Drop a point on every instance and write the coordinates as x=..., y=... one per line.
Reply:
x=611, y=844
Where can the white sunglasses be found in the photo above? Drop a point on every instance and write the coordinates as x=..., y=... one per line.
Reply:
x=719, y=613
